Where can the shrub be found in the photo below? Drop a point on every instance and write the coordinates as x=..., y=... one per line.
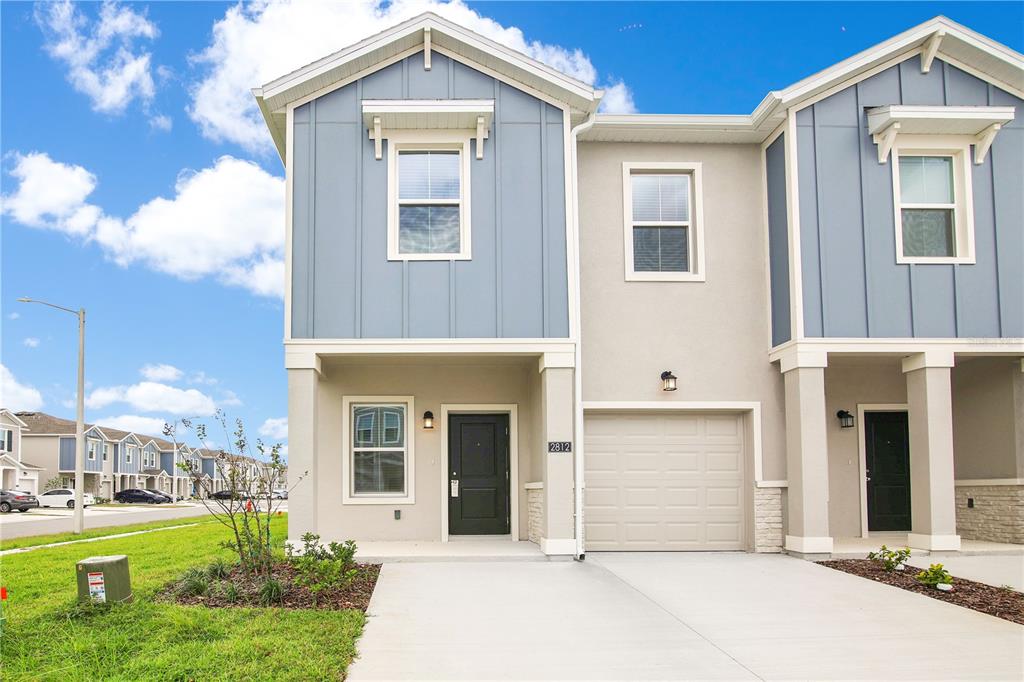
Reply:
x=323, y=568
x=193, y=583
x=891, y=560
x=218, y=569
x=271, y=592
x=935, y=575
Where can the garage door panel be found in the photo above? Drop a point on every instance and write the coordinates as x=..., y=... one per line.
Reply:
x=664, y=482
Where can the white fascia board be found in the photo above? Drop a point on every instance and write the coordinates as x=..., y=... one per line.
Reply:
x=938, y=120
x=13, y=417
x=460, y=114
x=279, y=92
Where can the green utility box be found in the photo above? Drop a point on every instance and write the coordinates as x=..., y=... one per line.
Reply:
x=104, y=579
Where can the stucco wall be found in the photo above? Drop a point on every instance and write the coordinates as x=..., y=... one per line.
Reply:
x=713, y=335
x=431, y=382
x=987, y=418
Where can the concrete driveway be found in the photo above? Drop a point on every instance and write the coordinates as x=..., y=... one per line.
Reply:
x=670, y=616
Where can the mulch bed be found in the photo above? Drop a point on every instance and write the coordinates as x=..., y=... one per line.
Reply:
x=355, y=596
x=1000, y=602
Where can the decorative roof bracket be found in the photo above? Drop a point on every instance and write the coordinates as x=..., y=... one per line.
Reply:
x=426, y=49
x=983, y=142
x=931, y=48
x=885, y=139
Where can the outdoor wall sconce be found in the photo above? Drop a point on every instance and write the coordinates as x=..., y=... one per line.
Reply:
x=845, y=419
x=428, y=420
x=668, y=381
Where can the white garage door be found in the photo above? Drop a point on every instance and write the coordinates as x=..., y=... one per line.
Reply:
x=668, y=481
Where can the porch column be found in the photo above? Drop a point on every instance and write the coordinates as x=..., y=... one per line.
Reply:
x=806, y=454
x=303, y=385
x=558, y=529
x=930, y=417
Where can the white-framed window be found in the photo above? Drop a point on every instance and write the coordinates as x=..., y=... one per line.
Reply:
x=428, y=195
x=378, y=465
x=91, y=447
x=6, y=440
x=663, y=225
x=129, y=452
x=932, y=196
x=106, y=451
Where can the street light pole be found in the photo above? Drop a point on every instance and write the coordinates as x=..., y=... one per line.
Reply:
x=79, y=510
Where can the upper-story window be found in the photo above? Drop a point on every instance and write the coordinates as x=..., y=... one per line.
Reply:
x=428, y=216
x=933, y=206
x=93, y=445
x=6, y=440
x=663, y=232
x=106, y=451
x=128, y=454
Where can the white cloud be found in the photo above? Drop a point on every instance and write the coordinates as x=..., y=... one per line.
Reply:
x=223, y=222
x=161, y=372
x=17, y=396
x=151, y=396
x=152, y=426
x=618, y=99
x=31, y=342
x=201, y=378
x=275, y=428
x=161, y=122
x=101, y=56
x=13, y=316
x=229, y=399
x=256, y=42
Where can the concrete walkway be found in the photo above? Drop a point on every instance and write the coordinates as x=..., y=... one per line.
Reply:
x=670, y=616
x=999, y=570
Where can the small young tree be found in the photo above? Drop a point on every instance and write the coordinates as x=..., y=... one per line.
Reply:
x=251, y=482
x=54, y=482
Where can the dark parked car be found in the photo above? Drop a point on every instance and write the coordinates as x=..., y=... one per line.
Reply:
x=164, y=497
x=17, y=500
x=137, y=495
x=230, y=495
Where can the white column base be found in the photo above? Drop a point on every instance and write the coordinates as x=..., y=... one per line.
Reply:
x=809, y=545
x=559, y=546
x=941, y=543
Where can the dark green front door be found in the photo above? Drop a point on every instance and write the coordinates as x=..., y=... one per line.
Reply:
x=887, y=450
x=478, y=468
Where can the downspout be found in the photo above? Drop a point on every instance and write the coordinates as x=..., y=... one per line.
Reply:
x=578, y=370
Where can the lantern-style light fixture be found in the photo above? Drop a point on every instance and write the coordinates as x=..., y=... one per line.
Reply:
x=845, y=419
x=668, y=380
x=428, y=420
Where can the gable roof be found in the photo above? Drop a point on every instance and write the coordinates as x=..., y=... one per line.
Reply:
x=942, y=37
x=407, y=38
x=4, y=412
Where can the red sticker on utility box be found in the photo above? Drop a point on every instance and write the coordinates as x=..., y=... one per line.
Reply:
x=97, y=587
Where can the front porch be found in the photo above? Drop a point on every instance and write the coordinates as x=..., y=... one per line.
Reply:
x=858, y=547
x=454, y=550
x=907, y=449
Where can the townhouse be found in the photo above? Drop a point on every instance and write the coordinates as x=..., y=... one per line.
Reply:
x=15, y=472
x=508, y=315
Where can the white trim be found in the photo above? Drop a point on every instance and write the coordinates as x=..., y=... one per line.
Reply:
x=289, y=184
x=956, y=148
x=347, y=497
x=535, y=485
x=808, y=545
x=429, y=140
x=935, y=543
x=862, y=453
x=771, y=484
x=931, y=358
x=796, y=286
x=558, y=546
x=987, y=482
x=752, y=407
x=694, y=226
x=512, y=410
x=1010, y=347
x=555, y=360
x=307, y=353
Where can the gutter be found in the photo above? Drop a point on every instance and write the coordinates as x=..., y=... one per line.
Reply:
x=578, y=352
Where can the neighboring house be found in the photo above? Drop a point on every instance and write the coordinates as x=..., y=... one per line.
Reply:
x=15, y=472
x=512, y=316
x=50, y=442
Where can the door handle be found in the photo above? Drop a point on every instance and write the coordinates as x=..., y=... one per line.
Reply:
x=454, y=486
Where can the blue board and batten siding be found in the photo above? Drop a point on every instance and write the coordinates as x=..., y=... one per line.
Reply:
x=516, y=283
x=778, y=239
x=67, y=457
x=852, y=285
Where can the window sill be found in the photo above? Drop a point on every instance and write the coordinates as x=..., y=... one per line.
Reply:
x=921, y=260
x=664, y=277
x=357, y=500
x=442, y=257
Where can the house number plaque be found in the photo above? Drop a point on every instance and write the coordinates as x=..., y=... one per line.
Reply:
x=559, y=446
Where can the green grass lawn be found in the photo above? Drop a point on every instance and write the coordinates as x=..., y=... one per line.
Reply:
x=47, y=637
x=35, y=540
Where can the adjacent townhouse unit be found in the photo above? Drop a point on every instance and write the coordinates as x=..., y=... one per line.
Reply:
x=50, y=442
x=508, y=315
x=15, y=472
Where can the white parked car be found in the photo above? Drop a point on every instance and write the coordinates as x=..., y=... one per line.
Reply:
x=63, y=497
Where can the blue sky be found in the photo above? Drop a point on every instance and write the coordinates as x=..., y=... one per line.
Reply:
x=138, y=181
